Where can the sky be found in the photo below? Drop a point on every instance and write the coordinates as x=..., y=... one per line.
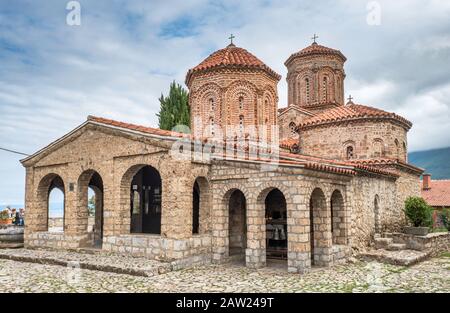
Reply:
x=124, y=54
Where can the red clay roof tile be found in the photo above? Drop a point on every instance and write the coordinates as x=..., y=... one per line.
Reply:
x=351, y=112
x=315, y=49
x=231, y=56
x=438, y=194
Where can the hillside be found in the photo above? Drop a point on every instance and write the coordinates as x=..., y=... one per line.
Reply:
x=436, y=162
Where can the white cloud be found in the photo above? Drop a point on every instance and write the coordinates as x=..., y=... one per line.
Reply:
x=117, y=63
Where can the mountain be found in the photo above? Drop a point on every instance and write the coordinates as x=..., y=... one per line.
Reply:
x=435, y=162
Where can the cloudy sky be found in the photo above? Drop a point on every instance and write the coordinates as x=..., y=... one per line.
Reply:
x=125, y=53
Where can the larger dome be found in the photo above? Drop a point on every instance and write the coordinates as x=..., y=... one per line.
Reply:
x=231, y=57
x=316, y=49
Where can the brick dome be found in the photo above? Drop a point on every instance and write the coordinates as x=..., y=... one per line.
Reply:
x=316, y=49
x=231, y=57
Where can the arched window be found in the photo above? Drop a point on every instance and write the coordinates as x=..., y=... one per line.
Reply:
x=405, y=152
x=292, y=129
x=397, y=149
x=350, y=152
x=324, y=89
x=212, y=126
x=307, y=90
x=241, y=124
x=211, y=104
x=241, y=103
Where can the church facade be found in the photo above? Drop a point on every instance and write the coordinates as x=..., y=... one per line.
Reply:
x=309, y=184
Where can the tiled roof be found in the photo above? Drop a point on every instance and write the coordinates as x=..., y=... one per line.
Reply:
x=386, y=161
x=231, y=56
x=143, y=129
x=315, y=49
x=352, y=112
x=295, y=107
x=309, y=162
x=438, y=194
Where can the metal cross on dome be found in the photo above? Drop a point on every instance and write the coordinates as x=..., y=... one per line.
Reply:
x=350, y=98
x=231, y=38
x=314, y=38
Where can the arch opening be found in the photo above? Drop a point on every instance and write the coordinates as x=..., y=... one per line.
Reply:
x=338, y=223
x=145, y=201
x=237, y=224
x=276, y=225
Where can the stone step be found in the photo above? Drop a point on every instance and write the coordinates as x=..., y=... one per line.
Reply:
x=396, y=247
x=382, y=243
x=399, y=257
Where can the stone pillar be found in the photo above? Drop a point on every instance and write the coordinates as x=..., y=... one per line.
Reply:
x=176, y=211
x=255, y=254
x=299, y=253
x=219, y=226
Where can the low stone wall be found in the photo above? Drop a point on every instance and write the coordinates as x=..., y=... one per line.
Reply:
x=182, y=252
x=56, y=240
x=436, y=243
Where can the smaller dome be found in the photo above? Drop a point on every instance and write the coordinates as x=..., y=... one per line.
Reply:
x=234, y=57
x=316, y=49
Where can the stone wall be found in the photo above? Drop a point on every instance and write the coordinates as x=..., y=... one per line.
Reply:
x=435, y=243
x=370, y=139
x=373, y=204
x=190, y=251
x=290, y=116
x=223, y=97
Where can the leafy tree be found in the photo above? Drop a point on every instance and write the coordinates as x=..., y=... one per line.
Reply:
x=91, y=206
x=418, y=212
x=174, y=109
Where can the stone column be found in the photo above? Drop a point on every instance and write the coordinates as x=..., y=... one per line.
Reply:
x=255, y=254
x=299, y=254
x=219, y=226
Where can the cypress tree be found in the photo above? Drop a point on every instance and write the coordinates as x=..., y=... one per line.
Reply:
x=174, y=109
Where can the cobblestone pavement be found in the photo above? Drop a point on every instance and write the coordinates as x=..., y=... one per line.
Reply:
x=429, y=276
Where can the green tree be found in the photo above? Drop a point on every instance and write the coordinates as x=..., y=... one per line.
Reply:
x=174, y=109
x=91, y=206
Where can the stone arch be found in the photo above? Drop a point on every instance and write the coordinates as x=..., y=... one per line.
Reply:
x=338, y=218
x=378, y=148
x=305, y=87
x=376, y=213
x=200, y=107
x=134, y=192
x=90, y=179
x=40, y=220
x=348, y=150
x=201, y=204
x=320, y=229
x=327, y=94
x=236, y=203
x=274, y=202
x=247, y=91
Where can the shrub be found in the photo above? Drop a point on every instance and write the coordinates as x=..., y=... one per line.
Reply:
x=418, y=212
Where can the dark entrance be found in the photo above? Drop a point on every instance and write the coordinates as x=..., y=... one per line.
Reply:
x=96, y=184
x=276, y=226
x=146, y=201
x=237, y=224
x=196, y=208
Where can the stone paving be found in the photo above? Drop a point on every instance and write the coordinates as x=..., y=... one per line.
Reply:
x=100, y=261
x=430, y=276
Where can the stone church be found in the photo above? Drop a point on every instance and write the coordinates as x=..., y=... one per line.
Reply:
x=307, y=185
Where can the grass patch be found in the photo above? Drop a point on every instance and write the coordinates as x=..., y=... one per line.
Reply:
x=445, y=255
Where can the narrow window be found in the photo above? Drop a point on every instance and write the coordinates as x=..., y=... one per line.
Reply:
x=211, y=104
x=211, y=124
x=292, y=129
x=324, y=89
x=241, y=103
x=241, y=124
x=349, y=152
x=307, y=90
